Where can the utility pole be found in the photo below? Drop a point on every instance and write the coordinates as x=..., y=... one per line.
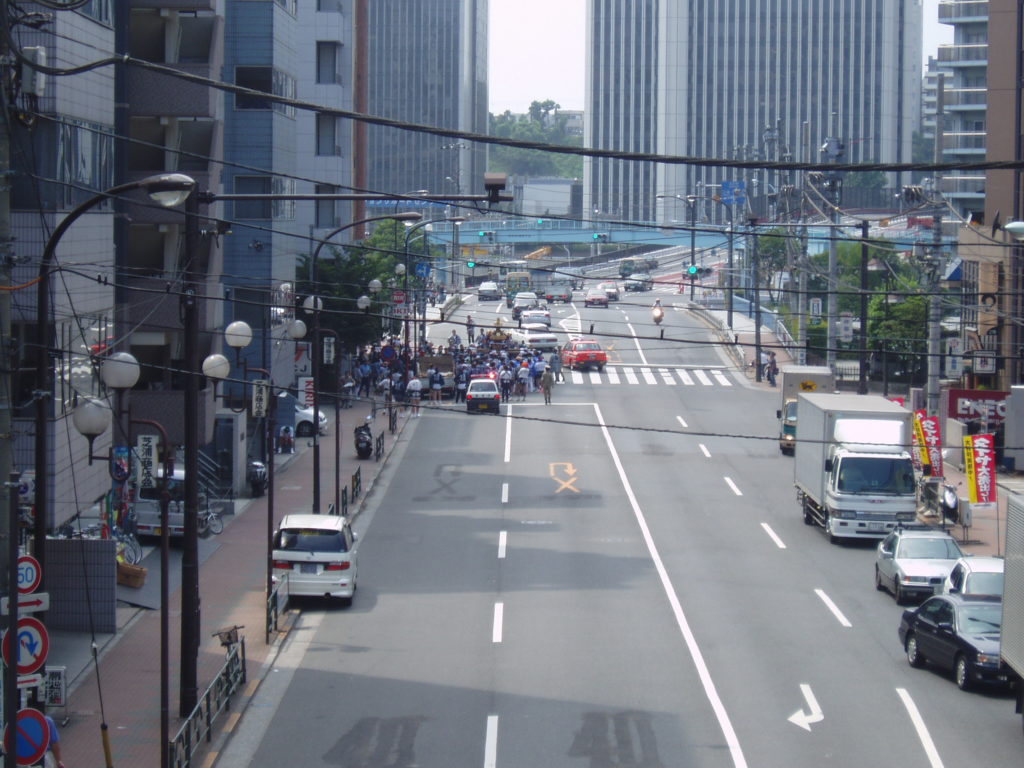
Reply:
x=935, y=264
x=833, y=150
x=756, y=274
x=862, y=379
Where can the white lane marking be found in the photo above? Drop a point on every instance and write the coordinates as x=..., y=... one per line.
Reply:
x=815, y=715
x=491, y=742
x=595, y=377
x=667, y=377
x=703, y=378
x=504, y=493
x=508, y=432
x=685, y=376
x=774, y=537
x=921, y=728
x=681, y=422
x=739, y=761
x=502, y=544
x=643, y=358
x=704, y=450
x=577, y=377
x=499, y=616
x=732, y=485
x=613, y=376
x=833, y=607
x=721, y=378
x=648, y=376
x=630, y=376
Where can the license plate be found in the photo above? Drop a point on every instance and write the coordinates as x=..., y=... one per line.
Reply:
x=307, y=568
x=876, y=526
x=158, y=531
x=482, y=406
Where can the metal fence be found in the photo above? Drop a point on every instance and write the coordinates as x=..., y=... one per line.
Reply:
x=198, y=728
x=277, y=603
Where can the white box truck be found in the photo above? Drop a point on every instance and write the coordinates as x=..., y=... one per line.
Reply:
x=1011, y=643
x=853, y=471
x=794, y=379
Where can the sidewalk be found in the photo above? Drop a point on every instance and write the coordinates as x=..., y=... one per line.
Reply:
x=126, y=693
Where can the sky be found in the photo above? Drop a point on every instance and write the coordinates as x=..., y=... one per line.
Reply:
x=536, y=51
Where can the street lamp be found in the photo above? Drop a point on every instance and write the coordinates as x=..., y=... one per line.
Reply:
x=166, y=189
x=91, y=418
x=314, y=304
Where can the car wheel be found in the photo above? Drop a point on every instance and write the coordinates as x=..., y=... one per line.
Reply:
x=304, y=429
x=962, y=673
x=600, y=368
x=878, y=581
x=897, y=592
x=914, y=656
x=808, y=517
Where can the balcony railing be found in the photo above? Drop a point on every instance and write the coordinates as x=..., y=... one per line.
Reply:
x=961, y=10
x=966, y=97
x=963, y=54
x=963, y=141
x=962, y=185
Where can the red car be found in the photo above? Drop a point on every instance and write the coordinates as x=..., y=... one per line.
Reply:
x=583, y=353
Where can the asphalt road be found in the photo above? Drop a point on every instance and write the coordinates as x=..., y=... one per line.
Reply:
x=622, y=578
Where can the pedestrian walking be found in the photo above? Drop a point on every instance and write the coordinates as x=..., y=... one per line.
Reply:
x=547, y=383
x=53, y=756
x=506, y=377
x=555, y=364
x=436, y=379
x=413, y=390
x=522, y=380
x=461, y=383
x=470, y=326
x=772, y=368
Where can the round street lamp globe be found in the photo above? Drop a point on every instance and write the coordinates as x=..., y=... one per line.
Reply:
x=399, y=269
x=216, y=367
x=168, y=189
x=296, y=329
x=238, y=334
x=363, y=302
x=120, y=371
x=374, y=285
x=91, y=416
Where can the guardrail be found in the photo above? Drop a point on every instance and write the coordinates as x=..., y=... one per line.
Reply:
x=215, y=700
x=275, y=606
x=378, y=447
x=357, y=483
x=392, y=418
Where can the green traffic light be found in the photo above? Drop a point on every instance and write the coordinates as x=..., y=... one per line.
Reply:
x=471, y=264
x=693, y=269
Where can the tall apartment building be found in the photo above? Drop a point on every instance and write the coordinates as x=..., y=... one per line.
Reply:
x=965, y=118
x=740, y=79
x=427, y=64
x=62, y=148
x=930, y=95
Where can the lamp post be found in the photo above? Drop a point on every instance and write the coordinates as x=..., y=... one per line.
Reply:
x=91, y=418
x=314, y=304
x=862, y=380
x=168, y=190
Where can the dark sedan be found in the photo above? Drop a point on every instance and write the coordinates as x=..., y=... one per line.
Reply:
x=959, y=633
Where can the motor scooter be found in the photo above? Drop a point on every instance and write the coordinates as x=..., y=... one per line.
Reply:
x=364, y=439
x=257, y=477
x=658, y=314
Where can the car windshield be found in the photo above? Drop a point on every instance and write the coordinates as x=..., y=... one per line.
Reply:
x=175, y=490
x=980, y=619
x=984, y=584
x=928, y=549
x=309, y=540
x=861, y=474
x=588, y=347
x=482, y=387
x=791, y=410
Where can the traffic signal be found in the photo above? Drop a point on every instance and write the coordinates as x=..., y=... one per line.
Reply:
x=471, y=264
x=486, y=235
x=692, y=271
x=601, y=236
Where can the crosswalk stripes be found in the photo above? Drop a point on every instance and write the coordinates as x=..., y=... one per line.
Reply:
x=651, y=375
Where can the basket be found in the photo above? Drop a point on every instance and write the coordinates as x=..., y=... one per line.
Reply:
x=131, y=575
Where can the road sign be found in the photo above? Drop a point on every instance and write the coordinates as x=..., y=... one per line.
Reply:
x=37, y=601
x=423, y=269
x=30, y=681
x=734, y=192
x=398, y=297
x=31, y=736
x=33, y=646
x=815, y=308
x=29, y=574
x=387, y=352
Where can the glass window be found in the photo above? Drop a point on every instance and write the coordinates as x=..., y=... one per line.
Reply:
x=326, y=215
x=327, y=135
x=101, y=10
x=258, y=79
x=283, y=209
x=328, y=6
x=252, y=185
x=328, y=59
x=311, y=540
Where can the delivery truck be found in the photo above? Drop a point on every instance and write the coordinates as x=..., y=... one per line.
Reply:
x=853, y=471
x=795, y=379
x=1011, y=643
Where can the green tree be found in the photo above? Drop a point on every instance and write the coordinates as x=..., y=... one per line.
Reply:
x=865, y=180
x=543, y=125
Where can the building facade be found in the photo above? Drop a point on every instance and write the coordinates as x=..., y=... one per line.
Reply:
x=745, y=79
x=427, y=64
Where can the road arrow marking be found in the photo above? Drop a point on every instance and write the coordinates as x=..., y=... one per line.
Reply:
x=804, y=719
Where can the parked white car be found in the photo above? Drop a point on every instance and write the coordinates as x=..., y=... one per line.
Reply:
x=318, y=555
x=304, y=421
x=977, y=575
x=535, y=336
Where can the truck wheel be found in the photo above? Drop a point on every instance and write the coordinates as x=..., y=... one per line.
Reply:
x=808, y=517
x=914, y=656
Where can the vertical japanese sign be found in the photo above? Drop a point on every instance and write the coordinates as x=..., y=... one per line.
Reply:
x=145, y=448
x=927, y=436
x=918, y=454
x=980, y=466
x=306, y=387
x=260, y=395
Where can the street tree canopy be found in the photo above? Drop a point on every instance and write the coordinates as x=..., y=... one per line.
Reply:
x=542, y=124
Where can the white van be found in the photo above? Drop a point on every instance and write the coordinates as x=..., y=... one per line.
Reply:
x=488, y=292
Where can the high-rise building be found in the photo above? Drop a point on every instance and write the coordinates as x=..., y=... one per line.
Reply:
x=964, y=115
x=740, y=79
x=427, y=64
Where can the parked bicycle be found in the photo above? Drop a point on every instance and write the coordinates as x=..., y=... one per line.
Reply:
x=210, y=521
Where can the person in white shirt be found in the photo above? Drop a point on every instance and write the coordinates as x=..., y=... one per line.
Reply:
x=414, y=389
